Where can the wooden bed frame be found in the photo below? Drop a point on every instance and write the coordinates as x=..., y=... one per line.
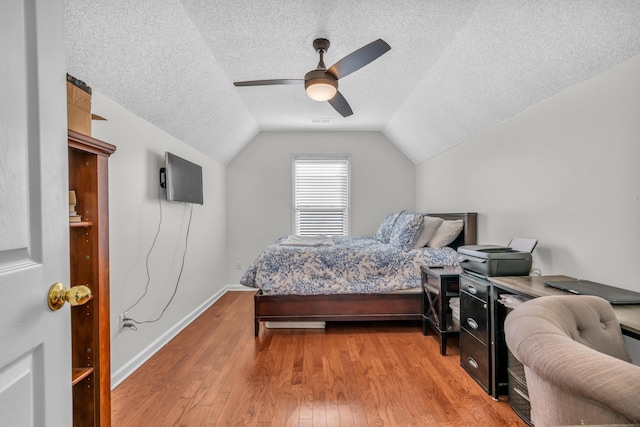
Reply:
x=351, y=307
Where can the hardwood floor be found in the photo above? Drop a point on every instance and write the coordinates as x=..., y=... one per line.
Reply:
x=215, y=373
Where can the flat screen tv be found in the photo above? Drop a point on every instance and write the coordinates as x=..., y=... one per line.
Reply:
x=182, y=179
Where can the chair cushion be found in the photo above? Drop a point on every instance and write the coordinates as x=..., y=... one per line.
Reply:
x=586, y=319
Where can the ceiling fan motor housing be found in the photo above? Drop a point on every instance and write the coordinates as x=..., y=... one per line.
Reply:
x=319, y=76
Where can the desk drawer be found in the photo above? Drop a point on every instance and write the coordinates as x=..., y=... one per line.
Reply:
x=475, y=287
x=474, y=317
x=474, y=358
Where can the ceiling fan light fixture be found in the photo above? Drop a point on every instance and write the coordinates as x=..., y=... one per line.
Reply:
x=319, y=86
x=321, y=91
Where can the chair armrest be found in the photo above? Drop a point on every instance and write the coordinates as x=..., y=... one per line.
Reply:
x=577, y=369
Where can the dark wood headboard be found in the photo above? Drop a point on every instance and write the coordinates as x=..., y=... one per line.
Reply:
x=469, y=234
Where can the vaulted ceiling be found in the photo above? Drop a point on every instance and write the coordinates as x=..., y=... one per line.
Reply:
x=455, y=68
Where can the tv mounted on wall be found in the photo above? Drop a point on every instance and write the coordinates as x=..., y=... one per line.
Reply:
x=182, y=179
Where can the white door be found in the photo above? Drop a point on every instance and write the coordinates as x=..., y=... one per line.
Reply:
x=35, y=343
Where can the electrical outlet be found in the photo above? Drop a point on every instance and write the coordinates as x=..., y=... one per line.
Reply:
x=238, y=265
x=121, y=320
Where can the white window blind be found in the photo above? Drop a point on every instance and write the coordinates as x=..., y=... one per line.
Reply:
x=321, y=196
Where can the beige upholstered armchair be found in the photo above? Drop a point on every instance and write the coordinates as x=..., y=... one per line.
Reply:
x=577, y=368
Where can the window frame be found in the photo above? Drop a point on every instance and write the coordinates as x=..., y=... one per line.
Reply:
x=320, y=157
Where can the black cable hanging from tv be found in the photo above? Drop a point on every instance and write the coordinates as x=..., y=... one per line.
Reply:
x=129, y=322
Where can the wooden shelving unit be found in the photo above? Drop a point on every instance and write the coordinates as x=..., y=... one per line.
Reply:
x=80, y=224
x=89, y=255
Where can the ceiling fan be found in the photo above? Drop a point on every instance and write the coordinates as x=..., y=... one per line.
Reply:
x=321, y=84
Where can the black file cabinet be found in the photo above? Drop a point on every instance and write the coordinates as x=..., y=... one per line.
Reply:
x=475, y=344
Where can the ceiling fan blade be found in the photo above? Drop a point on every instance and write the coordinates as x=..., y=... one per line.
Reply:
x=359, y=58
x=341, y=105
x=269, y=82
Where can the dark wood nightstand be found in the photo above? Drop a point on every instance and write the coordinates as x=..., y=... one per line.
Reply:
x=439, y=284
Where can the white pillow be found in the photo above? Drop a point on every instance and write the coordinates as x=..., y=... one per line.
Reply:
x=430, y=225
x=446, y=233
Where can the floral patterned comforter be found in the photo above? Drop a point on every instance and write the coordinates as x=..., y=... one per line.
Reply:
x=351, y=265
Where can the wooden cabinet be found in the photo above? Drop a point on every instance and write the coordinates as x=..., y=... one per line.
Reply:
x=89, y=256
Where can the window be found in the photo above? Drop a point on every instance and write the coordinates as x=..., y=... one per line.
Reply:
x=321, y=195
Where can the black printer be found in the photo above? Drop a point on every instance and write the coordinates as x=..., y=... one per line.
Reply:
x=489, y=260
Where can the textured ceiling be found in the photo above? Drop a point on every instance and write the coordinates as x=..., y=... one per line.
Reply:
x=455, y=68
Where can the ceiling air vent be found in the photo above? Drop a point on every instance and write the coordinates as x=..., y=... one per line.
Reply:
x=320, y=121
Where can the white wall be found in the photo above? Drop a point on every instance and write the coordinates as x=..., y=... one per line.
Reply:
x=259, y=187
x=134, y=207
x=566, y=172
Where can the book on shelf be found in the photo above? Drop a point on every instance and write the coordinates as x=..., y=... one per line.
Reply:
x=73, y=215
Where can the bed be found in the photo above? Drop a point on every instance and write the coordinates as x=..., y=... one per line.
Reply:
x=354, y=300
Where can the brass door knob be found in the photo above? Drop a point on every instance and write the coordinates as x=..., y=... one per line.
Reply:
x=58, y=294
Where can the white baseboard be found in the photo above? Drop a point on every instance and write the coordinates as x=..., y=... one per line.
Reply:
x=137, y=361
x=239, y=288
